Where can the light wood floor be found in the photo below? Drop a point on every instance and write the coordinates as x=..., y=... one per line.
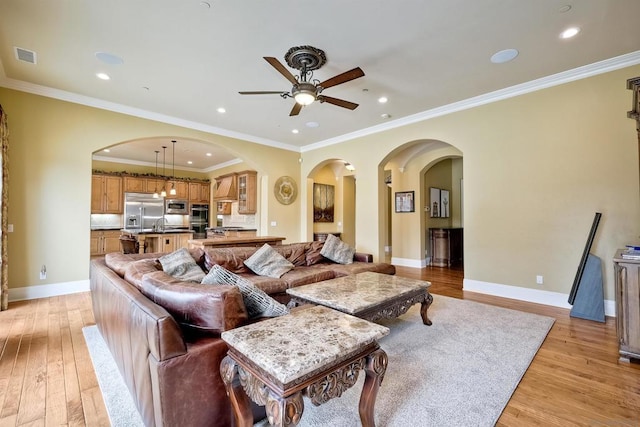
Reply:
x=46, y=376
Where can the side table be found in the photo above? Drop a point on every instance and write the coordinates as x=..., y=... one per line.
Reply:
x=315, y=352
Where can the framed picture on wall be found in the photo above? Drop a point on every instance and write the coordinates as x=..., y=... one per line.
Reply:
x=323, y=202
x=405, y=201
x=445, y=203
x=434, y=206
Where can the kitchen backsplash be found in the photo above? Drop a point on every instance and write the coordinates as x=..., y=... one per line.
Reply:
x=106, y=221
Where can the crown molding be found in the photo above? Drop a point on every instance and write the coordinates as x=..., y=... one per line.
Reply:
x=579, y=73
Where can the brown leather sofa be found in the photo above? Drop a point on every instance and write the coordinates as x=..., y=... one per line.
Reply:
x=170, y=367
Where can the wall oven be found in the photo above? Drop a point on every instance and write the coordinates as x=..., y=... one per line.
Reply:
x=199, y=218
x=177, y=207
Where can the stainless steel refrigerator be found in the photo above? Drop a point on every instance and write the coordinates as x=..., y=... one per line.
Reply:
x=142, y=212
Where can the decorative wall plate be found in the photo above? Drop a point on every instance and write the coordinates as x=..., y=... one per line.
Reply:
x=285, y=190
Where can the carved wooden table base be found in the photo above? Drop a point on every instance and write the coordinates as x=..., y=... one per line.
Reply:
x=284, y=407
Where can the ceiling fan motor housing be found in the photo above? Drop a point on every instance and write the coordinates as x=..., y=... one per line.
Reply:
x=308, y=58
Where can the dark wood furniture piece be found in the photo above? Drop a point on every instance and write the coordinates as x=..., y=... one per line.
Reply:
x=446, y=246
x=321, y=237
x=367, y=295
x=627, y=277
x=228, y=241
x=314, y=352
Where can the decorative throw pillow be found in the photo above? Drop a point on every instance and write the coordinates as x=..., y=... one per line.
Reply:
x=266, y=261
x=181, y=265
x=256, y=301
x=337, y=250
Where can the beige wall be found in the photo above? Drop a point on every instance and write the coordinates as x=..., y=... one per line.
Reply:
x=50, y=163
x=536, y=169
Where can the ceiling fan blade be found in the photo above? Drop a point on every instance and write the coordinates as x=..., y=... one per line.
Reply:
x=281, y=68
x=261, y=92
x=339, y=102
x=343, y=78
x=295, y=110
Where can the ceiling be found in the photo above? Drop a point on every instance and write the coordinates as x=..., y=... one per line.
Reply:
x=182, y=60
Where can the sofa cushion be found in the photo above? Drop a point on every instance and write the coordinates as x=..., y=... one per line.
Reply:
x=181, y=265
x=307, y=275
x=337, y=250
x=295, y=253
x=313, y=255
x=137, y=269
x=257, y=302
x=231, y=258
x=360, y=267
x=268, y=262
x=268, y=284
x=209, y=309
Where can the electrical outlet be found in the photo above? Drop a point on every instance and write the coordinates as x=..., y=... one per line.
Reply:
x=43, y=272
x=539, y=280
x=10, y=228
x=274, y=224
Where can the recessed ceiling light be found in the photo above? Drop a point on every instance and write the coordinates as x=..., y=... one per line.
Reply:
x=209, y=154
x=103, y=76
x=382, y=99
x=312, y=124
x=504, y=56
x=145, y=87
x=565, y=8
x=385, y=116
x=205, y=4
x=106, y=150
x=221, y=110
x=109, y=58
x=295, y=131
x=569, y=32
x=190, y=162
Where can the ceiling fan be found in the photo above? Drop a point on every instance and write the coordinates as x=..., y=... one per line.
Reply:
x=305, y=89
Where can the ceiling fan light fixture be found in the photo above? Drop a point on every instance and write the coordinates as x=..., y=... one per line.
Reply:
x=304, y=93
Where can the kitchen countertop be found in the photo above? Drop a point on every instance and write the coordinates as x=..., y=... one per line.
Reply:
x=169, y=231
x=227, y=241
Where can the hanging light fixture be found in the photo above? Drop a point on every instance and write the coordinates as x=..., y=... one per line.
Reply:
x=155, y=194
x=173, y=174
x=163, y=193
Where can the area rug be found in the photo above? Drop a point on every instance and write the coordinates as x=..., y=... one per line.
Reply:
x=461, y=371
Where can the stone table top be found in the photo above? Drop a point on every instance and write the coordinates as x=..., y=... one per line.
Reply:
x=294, y=345
x=357, y=292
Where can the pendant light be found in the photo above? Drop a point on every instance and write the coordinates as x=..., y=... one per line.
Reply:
x=155, y=194
x=173, y=175
x=163, y=193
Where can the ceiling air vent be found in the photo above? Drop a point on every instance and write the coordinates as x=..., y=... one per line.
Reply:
x=25, y=55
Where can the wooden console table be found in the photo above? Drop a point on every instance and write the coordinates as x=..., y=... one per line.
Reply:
x=627, y=275
x=315, y=352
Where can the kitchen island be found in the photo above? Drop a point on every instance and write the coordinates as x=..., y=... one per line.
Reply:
x=228, y=241
x=160, y=241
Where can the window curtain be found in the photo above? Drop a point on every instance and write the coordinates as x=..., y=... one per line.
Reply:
x=4, y=187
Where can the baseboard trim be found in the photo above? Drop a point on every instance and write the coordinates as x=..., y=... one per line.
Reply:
x=538, y=296
x=45, y=291
x=408, y=262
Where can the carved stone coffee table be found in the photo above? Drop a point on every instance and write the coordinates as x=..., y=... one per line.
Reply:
x=315, y=352
x=368, y=295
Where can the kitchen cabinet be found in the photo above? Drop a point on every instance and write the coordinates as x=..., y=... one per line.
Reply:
x=106, y=194
x=199, y=192
x=182, y=190
x=134, y=184
x=223, y=208
x=247, y=193
x=164, y=242
x=104, y=242
x=627, y=279
x=321, y=237
x=153, y=185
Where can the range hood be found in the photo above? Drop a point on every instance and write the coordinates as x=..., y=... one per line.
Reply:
x=226, y=189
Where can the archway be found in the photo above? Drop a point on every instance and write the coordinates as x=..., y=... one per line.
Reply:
x=403, y=171
x=331, y=189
